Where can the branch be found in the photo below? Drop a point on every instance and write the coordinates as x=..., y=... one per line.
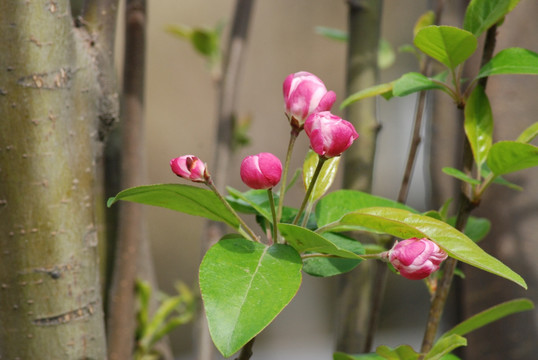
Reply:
x=131, y=233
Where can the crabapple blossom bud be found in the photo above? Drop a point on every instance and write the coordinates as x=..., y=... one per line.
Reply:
x=329, y=135
x=415, y=258
x=262, y=171
x=189, y=167
x=304, y=94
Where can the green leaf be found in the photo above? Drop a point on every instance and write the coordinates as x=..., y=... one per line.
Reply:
x=338, y=203
x=244, y=286
x=304, y=240
x=181, y=31
x=381, y=89
x=478, y=124
x=405, y=224
x=511, y=61
x=326, y=175
x=483, y=14
x=342, y=356
x=448, y=45
x=183, y=198
x=426, y=19
x=324, y=267
x=476, y=228
x=331, y=33
x=254, y=202
x=499, y=179
x=458, y=174
x=444, y=346
x=402, y=352
x=528, y=134
x=489, y=315
x=510, y=156
x=414, y=82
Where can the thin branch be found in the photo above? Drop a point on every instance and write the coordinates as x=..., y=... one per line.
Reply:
x=121, y=319
x=466, y=205
x=228, y=89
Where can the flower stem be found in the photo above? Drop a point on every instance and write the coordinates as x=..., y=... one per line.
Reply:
x=321, y=161
x=273, y=212
x=249, y=231
x=293, y=136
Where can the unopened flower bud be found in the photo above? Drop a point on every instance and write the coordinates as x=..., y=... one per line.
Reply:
x=304, y=94
x=415, y=258
x=189, y=167
x=262, y=171
x=329, y=134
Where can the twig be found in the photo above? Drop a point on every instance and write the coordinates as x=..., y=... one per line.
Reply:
x=464, y=210
x=228, y=88
x=131, y=233
x=246, y=351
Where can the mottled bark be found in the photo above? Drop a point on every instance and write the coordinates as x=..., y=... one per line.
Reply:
x=52, y=112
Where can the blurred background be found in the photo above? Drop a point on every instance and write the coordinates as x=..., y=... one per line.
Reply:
x=181, y=107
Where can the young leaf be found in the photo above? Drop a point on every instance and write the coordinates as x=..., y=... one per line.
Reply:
x=490, y=315
x=460, y=175
x=183, y=198
x=330, y=266
x=426, y=19
x=511, y=61
x=253, y=202
x=338, y=203
x=478, y=124
x=402, y=352
x=331, y=33
x=405, y=224
x=448, y=45
x=528, y=134
x=304, y=240
x=381, y=89
x=510, y=156
x=499, y=179
x=325, y=178
x=414, y=82
x=244, y=286
x=444, y=346
x=483, y=14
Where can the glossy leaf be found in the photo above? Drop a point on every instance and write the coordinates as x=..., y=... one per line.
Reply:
x=528, y=134
x=458, y=174
x=490, y=315
x=476, y=228
x=304, y=240
x=482, y=14
x=414, y=82
x=183, y=198
x=511, y=61
x=381, y=89
x=338, y=203
x=426, y=19
x=326, y=175
x=244, y=286
x=510, y=156
x=402, y=352
x=405, y=224
x=478, y=124
x=330, y=266
x=448, y=45
x=444, y=346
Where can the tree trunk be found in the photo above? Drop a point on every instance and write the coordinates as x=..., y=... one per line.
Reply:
x=52, y=106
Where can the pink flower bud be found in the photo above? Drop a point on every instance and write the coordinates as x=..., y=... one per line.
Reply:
x=415, y=258
x=190, y=167
x=329, y=135
x=304, y=94
x=262, y=171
